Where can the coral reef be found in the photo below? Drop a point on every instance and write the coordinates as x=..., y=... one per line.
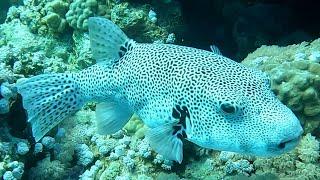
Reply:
x=301, y=163
x=104, y=157
x=62, y=16
x=12, y=151
x=295, y=77
x=47, y=169
x=7, y=94
x=55, y=12
x=135, y=127
x=41, y=17
x=24, y=53
x=135, y=22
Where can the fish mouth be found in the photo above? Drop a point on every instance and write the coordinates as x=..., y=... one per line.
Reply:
x=289, y=144
x=284, y=146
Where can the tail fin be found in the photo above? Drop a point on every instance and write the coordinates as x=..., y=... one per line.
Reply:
x=49, y=99
x=107, y=40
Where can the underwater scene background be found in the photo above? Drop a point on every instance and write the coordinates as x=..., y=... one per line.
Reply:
x=50, y=36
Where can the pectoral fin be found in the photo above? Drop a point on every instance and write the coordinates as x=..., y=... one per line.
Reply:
x=165, y=141
x=112, y=116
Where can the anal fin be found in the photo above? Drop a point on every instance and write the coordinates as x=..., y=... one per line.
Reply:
x=112, y=116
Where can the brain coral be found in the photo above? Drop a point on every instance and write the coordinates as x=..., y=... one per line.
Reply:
x=295, y=77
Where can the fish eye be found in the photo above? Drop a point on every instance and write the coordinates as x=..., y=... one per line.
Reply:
x=228, y=108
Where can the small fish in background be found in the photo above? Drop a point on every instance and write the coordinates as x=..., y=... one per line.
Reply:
x=178, y=92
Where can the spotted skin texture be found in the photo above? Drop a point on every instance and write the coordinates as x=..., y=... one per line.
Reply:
x=48, y=98
x=231, y=107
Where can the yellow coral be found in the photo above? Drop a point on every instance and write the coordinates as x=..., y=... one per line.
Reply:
x=135, y=127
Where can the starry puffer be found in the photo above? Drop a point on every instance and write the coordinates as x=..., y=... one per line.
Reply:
x=178, y=92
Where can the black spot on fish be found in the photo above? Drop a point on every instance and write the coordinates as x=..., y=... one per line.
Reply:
x=123, y=49
x=180, y=113
x=120, y=54
x=175, y=113
x=179, y=136
x=186, y=111
x=176, y=129
x=184, y=135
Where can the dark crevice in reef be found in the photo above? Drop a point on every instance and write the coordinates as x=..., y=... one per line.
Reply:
x=4, y=6
x=17, y=122
x=239, y=27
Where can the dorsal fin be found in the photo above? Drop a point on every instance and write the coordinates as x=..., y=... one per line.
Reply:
x=108, y=41
x=215, y=50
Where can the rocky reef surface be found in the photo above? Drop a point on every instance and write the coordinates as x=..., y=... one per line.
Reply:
x=47, y=36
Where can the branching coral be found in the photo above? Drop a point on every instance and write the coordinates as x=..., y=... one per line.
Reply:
x=308, y=149
x=47, y=169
